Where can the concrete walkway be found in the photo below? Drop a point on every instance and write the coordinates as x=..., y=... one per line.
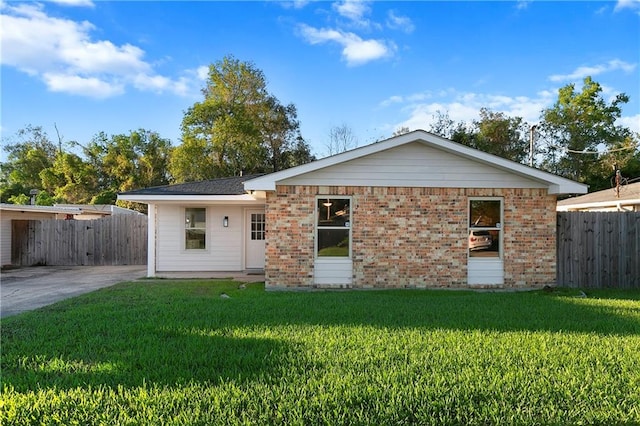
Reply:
x=30, y=288
x=246, y=277
x=25, y=289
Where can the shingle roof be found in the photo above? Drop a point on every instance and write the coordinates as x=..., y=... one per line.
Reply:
x=221, y=186
x=627, y=192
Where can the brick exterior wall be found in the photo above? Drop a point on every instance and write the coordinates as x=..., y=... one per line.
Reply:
x=410, y=237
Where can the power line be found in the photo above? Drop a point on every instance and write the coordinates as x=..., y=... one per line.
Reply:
x=573, y=151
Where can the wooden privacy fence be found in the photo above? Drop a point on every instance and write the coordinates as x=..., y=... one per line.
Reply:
x=598, y=249
x=114, y=240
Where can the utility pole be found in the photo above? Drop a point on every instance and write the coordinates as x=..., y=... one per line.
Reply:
x=615, y=167
x=533, y=129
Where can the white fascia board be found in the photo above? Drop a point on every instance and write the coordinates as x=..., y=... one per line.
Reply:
x=40, y=209
x=612, y=203
x=556, y=184
x=176, y=199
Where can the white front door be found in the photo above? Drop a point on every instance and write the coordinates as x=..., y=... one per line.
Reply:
x=254, y=236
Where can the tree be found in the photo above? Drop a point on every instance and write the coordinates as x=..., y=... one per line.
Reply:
x=493, y=132
x=238, y=127
x=280, y=131
x=30, y=152
x=577, y=126
x=125, y=162
x=70, y=179
x=442, y=125
x=129, y=161
x=341, y=139
x=401, y=131
x=502, y=135
x=298, y=154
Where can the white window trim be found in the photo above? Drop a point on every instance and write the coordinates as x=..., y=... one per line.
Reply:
x=207, y=236
x=316, y=227
x=487, y=228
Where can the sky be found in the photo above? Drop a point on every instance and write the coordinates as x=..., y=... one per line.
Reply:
x=85, y=66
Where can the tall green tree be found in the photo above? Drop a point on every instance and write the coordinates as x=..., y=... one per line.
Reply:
x=28, y=153
x=580, y=124
x=69, y=179
x=493, y=132
x=124, y=162
x=502, y=135
x=238, y=126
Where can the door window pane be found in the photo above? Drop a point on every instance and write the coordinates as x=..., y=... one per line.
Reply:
x=257, y=226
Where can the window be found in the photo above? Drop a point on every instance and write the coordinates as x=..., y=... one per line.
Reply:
x=485, y=227
x=195, y=228
x=333, y=227
x=257, y=226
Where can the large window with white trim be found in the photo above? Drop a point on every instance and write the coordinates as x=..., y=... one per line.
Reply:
x=485, y=227
x=195, y=232
x=333, y=227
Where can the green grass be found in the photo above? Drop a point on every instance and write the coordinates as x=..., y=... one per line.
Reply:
x=175, y=352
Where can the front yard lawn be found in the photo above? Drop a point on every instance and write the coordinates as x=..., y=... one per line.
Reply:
x=176, y=352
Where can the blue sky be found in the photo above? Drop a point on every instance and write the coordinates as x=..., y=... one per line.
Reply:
x=92, y=66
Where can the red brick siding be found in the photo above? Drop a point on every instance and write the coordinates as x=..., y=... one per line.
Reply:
x=410, y=237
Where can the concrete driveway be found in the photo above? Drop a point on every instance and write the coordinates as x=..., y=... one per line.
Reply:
x=30, y=288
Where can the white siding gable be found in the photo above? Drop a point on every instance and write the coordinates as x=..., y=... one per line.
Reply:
x=414, y=165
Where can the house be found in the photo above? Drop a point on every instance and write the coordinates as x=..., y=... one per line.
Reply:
x=10, y=213
x=415, y=211
x=625, y=198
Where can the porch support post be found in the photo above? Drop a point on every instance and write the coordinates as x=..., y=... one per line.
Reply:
x=151, y=241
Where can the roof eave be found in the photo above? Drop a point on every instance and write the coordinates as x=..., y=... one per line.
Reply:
x=156, y=198
x=611, y=203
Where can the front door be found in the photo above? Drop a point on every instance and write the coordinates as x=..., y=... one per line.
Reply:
x=255, y=233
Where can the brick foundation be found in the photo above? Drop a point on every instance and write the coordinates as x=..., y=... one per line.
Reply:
x=410, y=237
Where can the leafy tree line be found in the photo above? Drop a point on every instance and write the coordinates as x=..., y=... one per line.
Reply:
x=239, y=127
x=577, y=137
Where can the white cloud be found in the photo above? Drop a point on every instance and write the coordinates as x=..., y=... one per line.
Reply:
x=631, y=122
x=465, y=106
x=522, y=4
x=295, y=4
x=81, y=3
x=62, y=53
x=355, y=10
x=584, y=71
x=86, y=86
x=355, y=50
x=627, y=4
x=396, y=22
x=202, y=72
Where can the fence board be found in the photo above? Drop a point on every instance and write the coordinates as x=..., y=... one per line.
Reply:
x=598, y=249
x=107, y=241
